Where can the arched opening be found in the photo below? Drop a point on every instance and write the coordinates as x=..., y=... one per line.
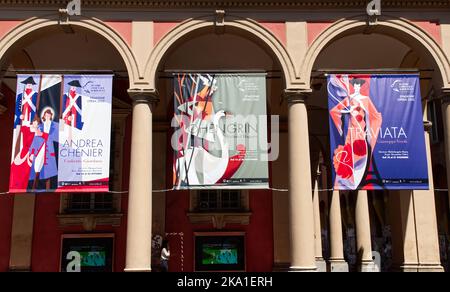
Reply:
x=78, y=50
x=231, y=51
x=363, y=49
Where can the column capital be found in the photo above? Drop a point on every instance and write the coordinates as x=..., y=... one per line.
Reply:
x=144, y=96
x=445, y=95
x=446, y=99
x=427, y=126
x=295, y=95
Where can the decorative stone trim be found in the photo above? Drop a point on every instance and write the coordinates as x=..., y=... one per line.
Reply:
x=388, y=25
x=281, y=267
x=220, y=220
x=144, y=96
x=89, y=221
x=288, y=4
x=295, y=96
x=445, y=97
x=427, y=126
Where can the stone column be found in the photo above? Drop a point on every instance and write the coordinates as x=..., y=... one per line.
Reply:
x=300, y=188
x=22, y=233
x=415, y=232
x=320, y=262
x=363, y=234
x=446, y=120
x=426, y=219
x=139, y=227
x=337, y=261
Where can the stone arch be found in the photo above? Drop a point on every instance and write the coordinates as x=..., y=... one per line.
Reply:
x=392, y=26
x=95, y=25
x=246, y=25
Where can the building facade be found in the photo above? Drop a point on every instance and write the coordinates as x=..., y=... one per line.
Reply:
x=300, y=224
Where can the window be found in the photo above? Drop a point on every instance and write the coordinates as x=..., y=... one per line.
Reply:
x=219, y=208
x=223, y=200
x=90, y=203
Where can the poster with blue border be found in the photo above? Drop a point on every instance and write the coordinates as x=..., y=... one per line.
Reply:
x=376, y=132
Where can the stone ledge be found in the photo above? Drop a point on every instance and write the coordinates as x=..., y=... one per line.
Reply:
x=220, y=220
x=89, y=221
x=268, y=4
x=281, y=267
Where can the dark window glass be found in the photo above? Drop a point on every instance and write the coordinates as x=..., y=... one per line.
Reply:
x=90, y=203
x=226, y=200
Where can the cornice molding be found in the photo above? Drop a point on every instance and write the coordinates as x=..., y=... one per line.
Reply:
x=144, y=96
x=220, y=220
x=310, y=4
x=89, y=221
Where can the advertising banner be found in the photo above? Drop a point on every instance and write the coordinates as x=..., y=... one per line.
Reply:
x=61, y=138
x=376, y=132
x=220, y=135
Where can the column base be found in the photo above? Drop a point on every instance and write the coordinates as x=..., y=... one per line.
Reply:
x=338, y=266
x=368, y=267
x=281, y=267
x=137, y=270
x=302, y=269
x=321, y=265
x=432, y=268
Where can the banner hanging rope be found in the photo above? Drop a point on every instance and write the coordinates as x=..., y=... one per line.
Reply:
x=270, y=189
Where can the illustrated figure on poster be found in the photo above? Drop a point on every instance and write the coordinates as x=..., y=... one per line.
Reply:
x=20, y=169
x=358, y=122
x=72, y=106
x=44, y=170
x=26, y=103
x=25, y=113
x=194, y=162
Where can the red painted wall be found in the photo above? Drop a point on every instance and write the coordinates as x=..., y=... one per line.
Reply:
x=47, y=233
x=123, y=28
x=7, y=25
x=160, y=29
x=259, y=234
x=278, y=29
x=6, y=201
x=433, y=29
x=315, y=29
x=47, y=236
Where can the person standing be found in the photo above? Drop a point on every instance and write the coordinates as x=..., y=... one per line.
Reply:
x=165, y=256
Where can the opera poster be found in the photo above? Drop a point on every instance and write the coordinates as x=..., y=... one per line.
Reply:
x=220, y=131
x=61, y=135
x=376, y=132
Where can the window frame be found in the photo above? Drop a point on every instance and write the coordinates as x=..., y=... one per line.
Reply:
x=243, y=202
